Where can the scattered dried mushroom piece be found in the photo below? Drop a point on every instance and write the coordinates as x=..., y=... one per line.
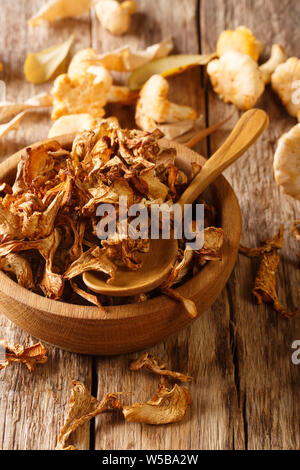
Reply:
x=266, y=245
x=212, y=246
x=20, y=267
x=166, y=406
x=188, y=304
x=166, y=67
x=30, y=356
x=146, y=361
x=84, y=407
x=265, y=283
x=8, y=110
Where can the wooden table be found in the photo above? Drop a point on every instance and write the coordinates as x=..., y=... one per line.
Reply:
x=246, y=393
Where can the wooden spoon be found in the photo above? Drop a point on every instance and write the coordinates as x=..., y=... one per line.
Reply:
x=162, y=256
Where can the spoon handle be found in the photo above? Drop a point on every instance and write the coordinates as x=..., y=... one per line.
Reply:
x=248, y=128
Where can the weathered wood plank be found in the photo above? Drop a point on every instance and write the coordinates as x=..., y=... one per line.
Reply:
x=203, y=350
x=267, y=380
x=33, y=406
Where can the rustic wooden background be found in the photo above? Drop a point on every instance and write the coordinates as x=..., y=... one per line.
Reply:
x=246, y=393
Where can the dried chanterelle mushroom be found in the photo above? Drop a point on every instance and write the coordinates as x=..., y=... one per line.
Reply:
x=265, y=280
x=266, y=245
x=30, y=356
x=84, y=407
x=88, y=85
x=87, y=93
x=166, y=406
x=146, y=361
x=265, y=284
x=114, y=15
x=236, y=76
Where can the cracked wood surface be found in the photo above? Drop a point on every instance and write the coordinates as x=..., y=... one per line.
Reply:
x=246, y=390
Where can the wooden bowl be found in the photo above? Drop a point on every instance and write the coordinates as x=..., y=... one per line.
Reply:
x=124, y=328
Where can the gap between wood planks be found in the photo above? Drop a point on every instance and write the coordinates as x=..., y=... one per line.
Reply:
x=241, y=401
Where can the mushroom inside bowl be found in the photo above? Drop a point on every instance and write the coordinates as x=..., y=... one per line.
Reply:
x=128, y=327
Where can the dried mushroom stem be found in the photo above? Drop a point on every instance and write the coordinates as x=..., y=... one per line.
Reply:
x=146, y=361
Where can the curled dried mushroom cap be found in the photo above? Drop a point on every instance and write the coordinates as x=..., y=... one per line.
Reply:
x=166, y=406
x=266, y=245
x=265, y=284
x=265, y=281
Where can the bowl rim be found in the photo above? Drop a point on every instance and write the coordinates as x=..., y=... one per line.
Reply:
x=212, y=271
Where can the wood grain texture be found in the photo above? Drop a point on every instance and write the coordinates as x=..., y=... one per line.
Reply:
x=246, y=393
x=267, y=381
x=33, y=406
x=204, y=349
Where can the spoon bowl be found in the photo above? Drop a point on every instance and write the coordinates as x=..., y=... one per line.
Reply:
x=157, y=262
